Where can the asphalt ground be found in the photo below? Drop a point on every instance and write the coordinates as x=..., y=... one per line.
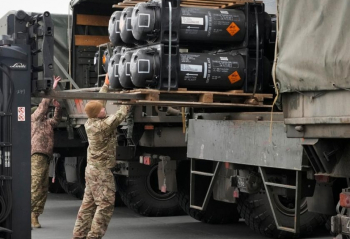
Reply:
x=61, y=210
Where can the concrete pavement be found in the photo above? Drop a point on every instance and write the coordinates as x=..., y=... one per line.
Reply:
x=61, y=210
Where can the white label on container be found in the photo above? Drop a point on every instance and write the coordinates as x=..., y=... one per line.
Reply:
x=144, y=20
x=192, y=20
x=116, y=70
x=224, y=12
x=128, y=24
x=181, y=50
x=206, y=23
x=148, y=66
x=117, y=26
x=224, y=58
x=127, y=72
x=21, y=113
x=191, y=68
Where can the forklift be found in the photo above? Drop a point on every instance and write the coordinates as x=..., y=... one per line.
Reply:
x=26, y=66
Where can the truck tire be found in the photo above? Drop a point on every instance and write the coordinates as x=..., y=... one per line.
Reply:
x=77, y=188
x=55, y=187
x=217, y=212
x=256, y=211
x=141, y=194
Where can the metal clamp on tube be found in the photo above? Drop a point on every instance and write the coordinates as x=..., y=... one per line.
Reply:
x=170, y=30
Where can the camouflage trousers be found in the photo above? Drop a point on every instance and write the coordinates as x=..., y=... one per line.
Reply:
x=97, y=207
x=39, y=182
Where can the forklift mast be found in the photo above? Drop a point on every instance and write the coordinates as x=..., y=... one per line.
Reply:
x=26, y=66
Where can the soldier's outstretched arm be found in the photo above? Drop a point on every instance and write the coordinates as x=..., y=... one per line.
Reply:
x=104, y=89
x=57, y=115
x=45, y=103
x=41, y=110
x=112, y=122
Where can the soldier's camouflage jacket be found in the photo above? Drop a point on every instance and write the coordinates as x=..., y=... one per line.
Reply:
x=42, y=128
x=102, y=139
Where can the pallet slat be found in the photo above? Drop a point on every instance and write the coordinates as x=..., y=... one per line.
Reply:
x=206, y=98
x=184, y=97
x=201, y=3
x=190, y=104
x=88, y=40
x=164, y=98
x=184, y=92
x=193, y=3
x=92, y=20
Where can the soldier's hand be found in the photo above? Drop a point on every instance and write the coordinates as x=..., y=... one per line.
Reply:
x=106, y=80
x=56, y=79
x=130, y=108
x=56, y=103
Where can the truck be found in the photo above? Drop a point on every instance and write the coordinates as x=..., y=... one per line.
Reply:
x=230, y=158
x=239, y=154
x=313, y=83
x=237, y=150
x=286, y=168
x=261, y=146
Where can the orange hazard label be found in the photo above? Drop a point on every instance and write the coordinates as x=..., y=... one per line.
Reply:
x=233, y=29
x=234, y=77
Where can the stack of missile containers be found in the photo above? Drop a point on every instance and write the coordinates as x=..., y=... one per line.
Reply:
x=160, y=45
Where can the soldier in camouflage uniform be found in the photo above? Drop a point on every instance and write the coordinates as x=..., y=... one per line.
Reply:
x=97, y=207
x=41, y=153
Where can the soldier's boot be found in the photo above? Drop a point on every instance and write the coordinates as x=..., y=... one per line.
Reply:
x=35, y=220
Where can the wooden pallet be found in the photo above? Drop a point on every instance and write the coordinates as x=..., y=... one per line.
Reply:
x=192, y=3
x=181, y=97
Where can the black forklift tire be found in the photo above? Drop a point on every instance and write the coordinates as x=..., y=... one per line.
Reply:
x=77, y=188
x=141, y=194
x=256, y=211
x=217, y=212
